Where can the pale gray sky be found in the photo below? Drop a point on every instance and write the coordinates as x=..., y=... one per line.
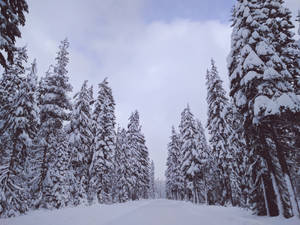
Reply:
x=154, y=52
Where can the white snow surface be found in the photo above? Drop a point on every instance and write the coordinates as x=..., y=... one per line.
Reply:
x=147, y=212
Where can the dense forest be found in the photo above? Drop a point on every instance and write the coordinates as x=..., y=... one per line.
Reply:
x=57, y=151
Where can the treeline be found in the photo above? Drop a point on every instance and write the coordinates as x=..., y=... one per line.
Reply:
x=214, y=173
x=253, y=157
x=57, y=152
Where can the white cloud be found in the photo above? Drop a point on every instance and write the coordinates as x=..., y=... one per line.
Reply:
x=159, y=70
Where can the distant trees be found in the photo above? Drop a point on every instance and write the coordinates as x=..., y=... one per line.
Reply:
x=187, y=161
x=152, y=181
x=214, y=173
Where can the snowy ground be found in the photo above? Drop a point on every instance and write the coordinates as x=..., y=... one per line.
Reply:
x=152, y=212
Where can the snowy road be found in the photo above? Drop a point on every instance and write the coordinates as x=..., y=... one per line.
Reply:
x=152, y=212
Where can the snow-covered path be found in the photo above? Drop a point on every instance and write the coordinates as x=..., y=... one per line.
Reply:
x=152, y=212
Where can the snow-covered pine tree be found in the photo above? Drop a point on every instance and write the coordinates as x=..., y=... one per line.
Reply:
x=277, y=18
x=53, y=155
x=174, y=182
x=191, y=164
x=262, y=87
x=240, y=164
x=139, y=159
x=122, y=167
x=90, y=192
x=101, y=168
x=218, y=131
x=17, y=132
x=12, y=16
x=144, y=184
x=152, y=179
x=169, y=175
x=204, y=156
x=81, y=140
x=168, y=172
x=32, y=90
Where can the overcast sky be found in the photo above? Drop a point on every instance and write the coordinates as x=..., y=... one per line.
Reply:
x=155, y=54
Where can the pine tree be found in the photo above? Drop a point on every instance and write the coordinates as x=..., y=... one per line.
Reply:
x=101, y=169
x=140, y=159
x=12, y=16
x=53, y=155
x=218, y=130
x=169, y=172
x=31, y=90
x=144, y=185
x=263, y=89
x=191, y=164
x=123, y=167
x=277, y=18
x=81, y=140
x=240, y=164
x=174, y=182
x=152, y=179
x=18, y=130
x=204, y=156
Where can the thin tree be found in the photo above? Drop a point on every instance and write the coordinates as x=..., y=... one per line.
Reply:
x=102, y=166
x=53, y=156
x=218, y=130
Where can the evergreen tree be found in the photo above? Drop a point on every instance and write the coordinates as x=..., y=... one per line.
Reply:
x=191, y=164
x=204, y=156
x=263, y=89
x=218, y=130
x=277, y=20
x=101, y=169
x=12, y=16
x=139, y=160
x=31, y=90
x=144, y=184
x=81, y=140
x=53, y=155
x=174, y=182
x=18, y=130
x=152, y=179
x=240, y=164
x=123, y=167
